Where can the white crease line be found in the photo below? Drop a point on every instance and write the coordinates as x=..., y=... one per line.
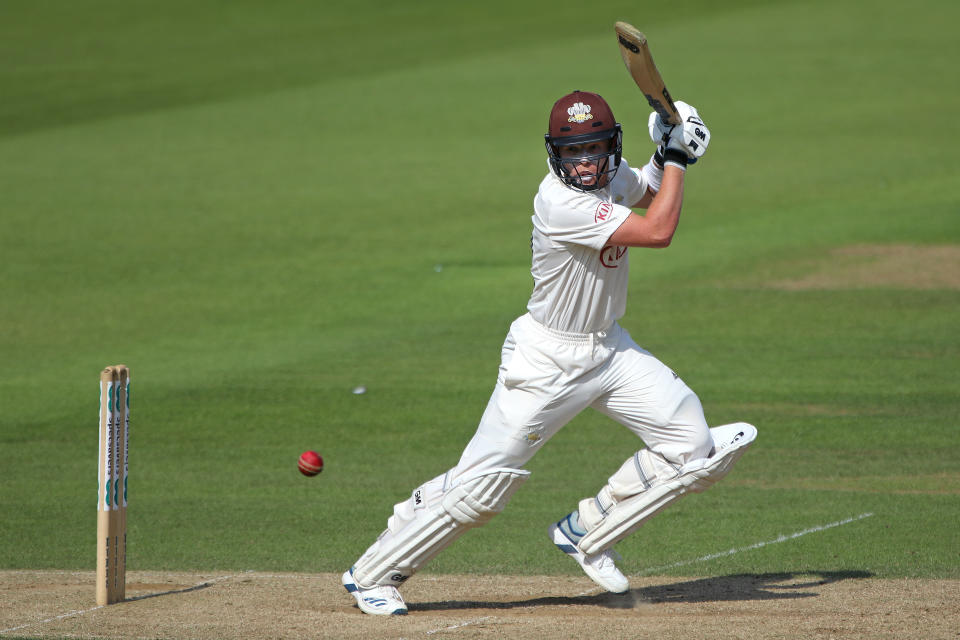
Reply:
x=71, y=614
x=54, y=572
x=457, y=626
x=758, y=545
x=730, y=552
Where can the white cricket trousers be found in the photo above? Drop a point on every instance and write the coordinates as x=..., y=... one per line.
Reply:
x=547, y=377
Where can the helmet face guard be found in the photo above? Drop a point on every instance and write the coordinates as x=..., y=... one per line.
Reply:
x=581, y=118
x=568, y=168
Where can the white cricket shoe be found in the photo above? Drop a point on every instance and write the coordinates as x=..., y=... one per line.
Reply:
x=378, y=601
x=601, y=567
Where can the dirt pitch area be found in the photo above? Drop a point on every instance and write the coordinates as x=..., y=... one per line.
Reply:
x=895, y=266
x=258, y=606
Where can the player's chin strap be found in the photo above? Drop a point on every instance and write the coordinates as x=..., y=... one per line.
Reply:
x=434, y=516
x=645, y=484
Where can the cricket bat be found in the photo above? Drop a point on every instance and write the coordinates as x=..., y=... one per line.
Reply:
x=639, y=62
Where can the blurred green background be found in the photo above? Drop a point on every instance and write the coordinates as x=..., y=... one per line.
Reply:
x=260, y=206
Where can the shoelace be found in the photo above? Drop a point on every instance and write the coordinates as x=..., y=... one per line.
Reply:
x=390, y=592
x=605, y=561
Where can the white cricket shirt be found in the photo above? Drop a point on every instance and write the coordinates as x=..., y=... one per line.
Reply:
x=579, y=279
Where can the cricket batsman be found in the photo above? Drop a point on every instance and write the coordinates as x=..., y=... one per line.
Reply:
x=568, y=352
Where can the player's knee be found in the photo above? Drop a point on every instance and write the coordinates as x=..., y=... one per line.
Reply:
x=476, y=499
x=701, y=444
x=689, y=445
x=692, y=431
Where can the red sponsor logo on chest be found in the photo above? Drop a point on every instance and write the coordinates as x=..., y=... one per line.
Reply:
x=611, y=255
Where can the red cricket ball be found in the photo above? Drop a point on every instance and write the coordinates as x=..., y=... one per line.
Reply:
x=310, y=463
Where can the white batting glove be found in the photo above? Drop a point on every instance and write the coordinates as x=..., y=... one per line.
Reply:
x=690, y=137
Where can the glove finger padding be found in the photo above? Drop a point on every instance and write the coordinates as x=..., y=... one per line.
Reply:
x=659, y=130
x=691, y=135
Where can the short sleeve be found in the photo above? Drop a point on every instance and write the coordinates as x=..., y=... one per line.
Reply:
x=629, y=186
x=577, y=218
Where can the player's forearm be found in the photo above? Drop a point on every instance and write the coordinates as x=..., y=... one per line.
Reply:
x=663, y=214
x=656, y=228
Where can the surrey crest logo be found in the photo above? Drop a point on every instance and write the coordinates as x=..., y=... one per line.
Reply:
x=580, y=112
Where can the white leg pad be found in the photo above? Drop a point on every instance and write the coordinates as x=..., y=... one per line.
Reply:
x=646, y=483
x=433, y=517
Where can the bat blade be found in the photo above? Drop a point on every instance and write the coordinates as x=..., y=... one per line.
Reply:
x=639, y=62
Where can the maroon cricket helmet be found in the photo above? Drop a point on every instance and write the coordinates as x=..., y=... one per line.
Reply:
x=580, y=118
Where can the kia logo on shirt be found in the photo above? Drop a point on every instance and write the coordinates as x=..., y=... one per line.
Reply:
x=604, y=209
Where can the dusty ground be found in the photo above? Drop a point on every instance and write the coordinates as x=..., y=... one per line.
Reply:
x=867, y=266
x=45, y=604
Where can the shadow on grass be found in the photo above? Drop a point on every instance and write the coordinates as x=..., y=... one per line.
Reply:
x=763, y=586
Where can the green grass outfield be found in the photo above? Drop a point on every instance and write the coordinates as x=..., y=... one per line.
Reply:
x=260, y=206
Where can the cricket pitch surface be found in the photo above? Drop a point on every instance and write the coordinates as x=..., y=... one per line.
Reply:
x=251, y=605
